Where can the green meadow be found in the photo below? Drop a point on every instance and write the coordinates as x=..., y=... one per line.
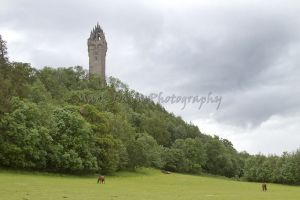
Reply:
x=144, y=184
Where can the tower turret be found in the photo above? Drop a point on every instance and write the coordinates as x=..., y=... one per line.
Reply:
x=97, y=48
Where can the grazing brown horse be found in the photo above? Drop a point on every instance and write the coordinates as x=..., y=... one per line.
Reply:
x=101, y=179
x=264, y=187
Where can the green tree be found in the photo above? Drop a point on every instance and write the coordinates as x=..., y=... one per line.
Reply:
x=108, y=152
x=220, y=159
x=192, y=155
x=143, y=151
x=72, y=141
x=3, y=51
x=24, y=140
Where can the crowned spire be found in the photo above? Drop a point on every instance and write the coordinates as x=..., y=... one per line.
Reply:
x=97, y=33
x=97, y=48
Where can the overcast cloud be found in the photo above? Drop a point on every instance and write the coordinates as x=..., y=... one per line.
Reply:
x=248, y=52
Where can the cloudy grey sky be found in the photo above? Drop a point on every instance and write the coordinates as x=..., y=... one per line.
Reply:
x=246, y=51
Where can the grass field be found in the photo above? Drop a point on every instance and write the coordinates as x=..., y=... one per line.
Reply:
x=144, y=185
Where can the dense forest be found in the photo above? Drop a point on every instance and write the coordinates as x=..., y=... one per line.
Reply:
x=63, y=120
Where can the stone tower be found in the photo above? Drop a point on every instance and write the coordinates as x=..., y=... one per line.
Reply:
x=97, y=48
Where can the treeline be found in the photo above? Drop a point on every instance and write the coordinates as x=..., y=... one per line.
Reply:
x=62, y=120
x=284, y=169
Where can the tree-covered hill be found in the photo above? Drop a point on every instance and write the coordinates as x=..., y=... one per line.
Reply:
x=62, y=120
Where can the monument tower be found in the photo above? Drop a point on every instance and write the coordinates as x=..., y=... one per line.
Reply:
x=97, y=48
